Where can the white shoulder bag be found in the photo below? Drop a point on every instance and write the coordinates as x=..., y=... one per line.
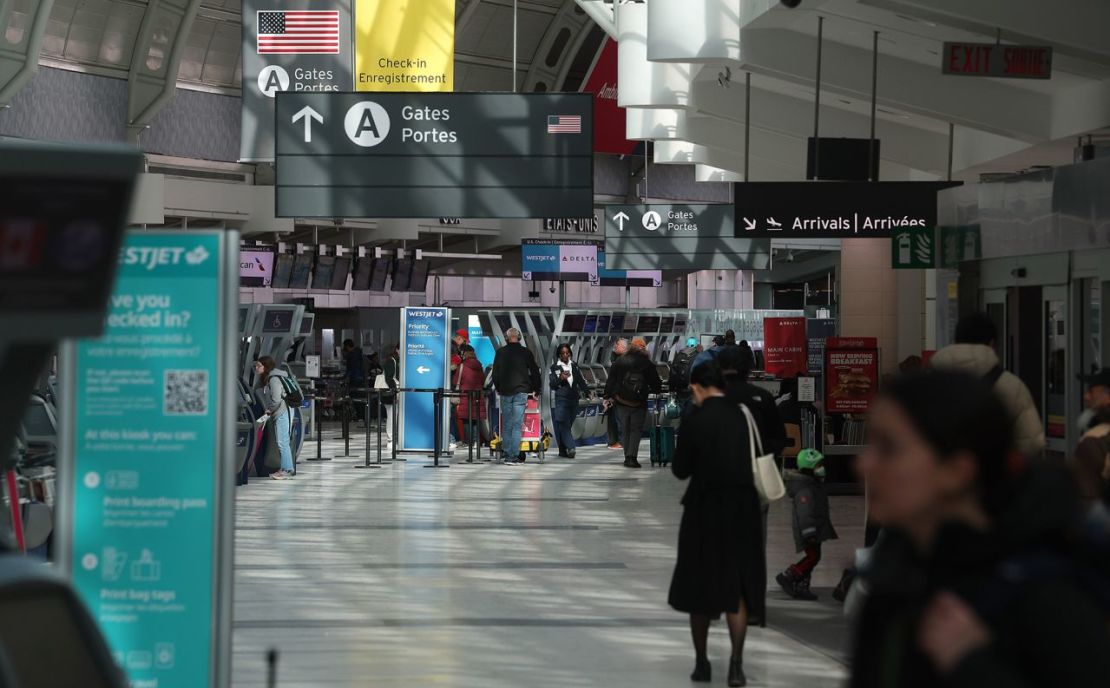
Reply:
x=768, y=479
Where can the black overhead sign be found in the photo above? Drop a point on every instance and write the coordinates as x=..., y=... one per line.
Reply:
x=415, y=155
x=679, y=237
x=834, y=209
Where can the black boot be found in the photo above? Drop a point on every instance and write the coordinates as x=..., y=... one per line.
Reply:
x=787, y=580
x=703, y=671
x=736, y=675
x=802, y=591
x=840, y=592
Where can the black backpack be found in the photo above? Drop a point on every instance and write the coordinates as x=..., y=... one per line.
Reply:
x=293, y=395
x=679, y=379
x=632, y=390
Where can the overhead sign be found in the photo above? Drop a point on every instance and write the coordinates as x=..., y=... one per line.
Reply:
x=610, y=120
x=913, y=248
x=570, y=225
x=402, y=45
x=148, y=543
x=680, y=237
x=413, y=155
x=303, y=45
x=607, y=277
x=838, y=210
x=997, y=60
x=425, y=357
x=960, y=243
x=562, y=260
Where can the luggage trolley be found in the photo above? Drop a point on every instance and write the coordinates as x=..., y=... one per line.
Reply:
x=534, y=437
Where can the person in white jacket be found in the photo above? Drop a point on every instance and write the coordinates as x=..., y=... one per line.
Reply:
x=973, y=353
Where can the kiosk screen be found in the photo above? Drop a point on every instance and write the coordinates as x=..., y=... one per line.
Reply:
x=339, y=276
x=302, y=268
x=283, y=271
x=325, y=268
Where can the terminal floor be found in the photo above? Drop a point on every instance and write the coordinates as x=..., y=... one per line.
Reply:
x=489, y=576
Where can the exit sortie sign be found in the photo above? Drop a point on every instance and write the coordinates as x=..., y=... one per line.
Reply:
x=997, y=60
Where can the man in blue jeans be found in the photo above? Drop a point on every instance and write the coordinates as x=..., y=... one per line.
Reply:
x=516, y=376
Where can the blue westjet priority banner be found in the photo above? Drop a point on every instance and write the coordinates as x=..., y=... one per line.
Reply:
x=425, y=364
x=147, y=460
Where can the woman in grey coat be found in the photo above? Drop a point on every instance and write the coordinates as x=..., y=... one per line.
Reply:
x=273, y=398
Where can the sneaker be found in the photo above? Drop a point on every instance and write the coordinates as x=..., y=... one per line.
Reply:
x=452, y=446
x=279, y=475
x=616, y=445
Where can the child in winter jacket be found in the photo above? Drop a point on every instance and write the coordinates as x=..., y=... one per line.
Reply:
x=812, y=524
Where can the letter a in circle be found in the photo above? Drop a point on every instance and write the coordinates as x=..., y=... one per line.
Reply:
x=366, y=124
x=651, y=220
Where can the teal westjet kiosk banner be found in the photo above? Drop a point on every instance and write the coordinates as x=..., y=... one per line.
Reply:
x=147, y=546
x=425, y=364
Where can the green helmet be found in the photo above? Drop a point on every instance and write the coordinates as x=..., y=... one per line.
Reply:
x=810, y=458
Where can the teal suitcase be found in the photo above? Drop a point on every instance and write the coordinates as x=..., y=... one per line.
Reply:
x=661, y=445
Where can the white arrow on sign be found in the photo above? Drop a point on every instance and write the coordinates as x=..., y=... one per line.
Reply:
x=422, y=370
x=621, y=218
x=656, y=282
x=308, y=114
x=749, y=225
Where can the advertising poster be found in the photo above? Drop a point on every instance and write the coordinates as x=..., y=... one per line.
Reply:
x=147, y=459
x=402, y=45
x=817, y=331
x=784, y=347
x=303, y=45
x=851, y=374
x=425, y=357
x=609, y=118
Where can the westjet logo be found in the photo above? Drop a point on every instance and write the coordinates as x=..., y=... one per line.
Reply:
x=152, y=257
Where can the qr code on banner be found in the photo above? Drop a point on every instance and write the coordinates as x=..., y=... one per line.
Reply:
x=185, y=393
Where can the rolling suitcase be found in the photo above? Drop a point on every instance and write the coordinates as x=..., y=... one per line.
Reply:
x=661, y=445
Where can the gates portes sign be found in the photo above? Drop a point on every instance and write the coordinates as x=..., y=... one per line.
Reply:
x=148, y=540
x=997, y=60
x=680, y=237
x=303, y=45
x=425, y=357
x=835, y=210
x=415, y=155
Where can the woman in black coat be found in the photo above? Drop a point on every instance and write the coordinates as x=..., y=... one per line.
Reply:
x=721, y=566
x=567, y=385
x=976, y=580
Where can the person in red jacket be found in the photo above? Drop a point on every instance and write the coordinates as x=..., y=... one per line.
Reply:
x=471, y=378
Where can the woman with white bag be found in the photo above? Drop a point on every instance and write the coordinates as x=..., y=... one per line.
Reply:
x=721, y=567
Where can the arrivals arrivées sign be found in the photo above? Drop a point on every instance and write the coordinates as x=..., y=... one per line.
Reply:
x=834, y=209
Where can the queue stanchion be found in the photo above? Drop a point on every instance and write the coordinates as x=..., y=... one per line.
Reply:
x=366, y=447
x=396, y=426
x=437, y=431
x=317, y=419
x=378, y=415
x=348, y=405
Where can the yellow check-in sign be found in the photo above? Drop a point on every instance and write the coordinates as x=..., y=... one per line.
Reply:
x=404, y=45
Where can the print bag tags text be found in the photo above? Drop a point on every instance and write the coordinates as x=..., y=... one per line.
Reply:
x=768, y=479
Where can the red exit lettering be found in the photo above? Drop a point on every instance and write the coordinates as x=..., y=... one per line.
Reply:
x=970, y=59
x=1024, y=61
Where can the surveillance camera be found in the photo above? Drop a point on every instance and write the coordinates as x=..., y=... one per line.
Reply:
x=791, y=3
x=551, y=289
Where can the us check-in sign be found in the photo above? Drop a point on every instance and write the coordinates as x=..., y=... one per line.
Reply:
x=474, y=155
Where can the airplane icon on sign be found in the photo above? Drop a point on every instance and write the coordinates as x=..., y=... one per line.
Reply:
x=773, y=225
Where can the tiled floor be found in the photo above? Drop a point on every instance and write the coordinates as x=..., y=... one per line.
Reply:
x=489, y=576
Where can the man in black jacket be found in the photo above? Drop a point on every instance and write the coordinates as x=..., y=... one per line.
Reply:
x=515, y=377
x=612, y=427
x=632, y=379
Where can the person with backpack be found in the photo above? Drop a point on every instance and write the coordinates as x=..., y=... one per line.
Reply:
x=977, y=580
x=631, y=381
x=278, y=392
x=811, y=520
x=612, y=425
x=387, y=386
x=678, y=382
x=709, y=354
x=974, y=354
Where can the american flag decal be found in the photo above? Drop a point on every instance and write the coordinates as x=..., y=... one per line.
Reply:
x=298, y=32
x=564, y=124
